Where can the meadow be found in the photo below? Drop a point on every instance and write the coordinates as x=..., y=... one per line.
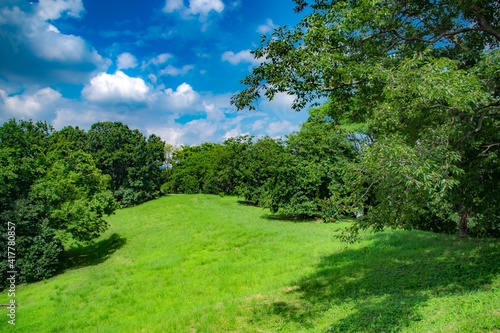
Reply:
x=204, y=263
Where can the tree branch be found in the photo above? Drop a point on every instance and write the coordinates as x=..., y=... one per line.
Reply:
x=483, y=22
x=483, y=153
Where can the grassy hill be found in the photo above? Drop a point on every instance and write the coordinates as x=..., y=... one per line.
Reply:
x=202, y=263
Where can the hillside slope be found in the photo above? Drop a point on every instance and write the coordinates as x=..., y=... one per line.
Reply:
x=199, y=263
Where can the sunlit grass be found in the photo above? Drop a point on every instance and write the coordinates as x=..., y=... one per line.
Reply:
x=208, y=264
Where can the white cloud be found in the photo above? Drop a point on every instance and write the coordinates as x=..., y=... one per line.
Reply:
x=279, y=128
x=116, y=87
x=196, y=7
x=174, y=71
x=29, y=105
x=259, y=124
x=161, y=58
x=126, y=60
x=267, y=27
x=213, y=112
x=235, y=132
x=69, y=49
x=173, y=5
x=12, y=16
x=193, y=132
x=244, y=56
x=53, y=9
x=51, y=28
x=35, y=38
x=203, y=7
x=283, y=100
x=153, y=78
x=43, y=38
x=156, y=61
x=173, y=135
x=85, y=118
x=183, y=98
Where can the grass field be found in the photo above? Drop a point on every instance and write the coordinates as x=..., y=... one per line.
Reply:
x=202, y=263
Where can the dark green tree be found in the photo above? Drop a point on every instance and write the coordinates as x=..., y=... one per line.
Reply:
x=133, y=162
x=50, y=188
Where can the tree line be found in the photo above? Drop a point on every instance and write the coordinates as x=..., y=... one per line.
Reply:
x=294, y=175
x=325, y=170
x=56, y=187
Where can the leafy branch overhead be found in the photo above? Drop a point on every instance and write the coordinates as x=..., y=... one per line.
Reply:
x=424, y=77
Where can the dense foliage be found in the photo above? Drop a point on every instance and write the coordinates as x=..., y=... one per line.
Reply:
x=424, y=76
x=53, y=191
x=133, y=162
x=297, y=175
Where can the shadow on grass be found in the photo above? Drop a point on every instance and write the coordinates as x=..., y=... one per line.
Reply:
x=380, y=287
x=92, y=254
x=290, y=218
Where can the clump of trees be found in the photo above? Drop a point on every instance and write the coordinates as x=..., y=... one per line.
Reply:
x=424, y=78
x=296, y=175
x=133, y=162
x=58, y=186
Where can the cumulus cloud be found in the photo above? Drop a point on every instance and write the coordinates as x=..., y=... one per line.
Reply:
x=109, y=88
x=283, y=100
x=201, y=130
x=183, y=98
x=244, y=56
x=35, y=48
x=126, y=60
x=29, y=106
x=56, y=47
x=267, y=27
x=54, y=9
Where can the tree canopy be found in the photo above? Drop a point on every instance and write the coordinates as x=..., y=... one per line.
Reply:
x=424, y=77
x=132, y=161
x=57, y=186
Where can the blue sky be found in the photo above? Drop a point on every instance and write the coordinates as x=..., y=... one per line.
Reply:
x=166, y=67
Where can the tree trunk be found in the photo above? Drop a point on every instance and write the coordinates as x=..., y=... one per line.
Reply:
x=463, y=220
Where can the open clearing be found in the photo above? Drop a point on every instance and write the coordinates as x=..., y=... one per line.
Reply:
x=200, y=263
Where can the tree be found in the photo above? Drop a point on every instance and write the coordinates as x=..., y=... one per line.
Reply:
x=424, y=76
x=23, y=149
x=258, y=166
x=50, y=188
x=304, y=171
x=74, y=198
x=211, y=168
x=133, y=162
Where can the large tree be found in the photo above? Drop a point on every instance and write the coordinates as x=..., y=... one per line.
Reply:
x=424, y=76
x=133, y=162
x=50, y=191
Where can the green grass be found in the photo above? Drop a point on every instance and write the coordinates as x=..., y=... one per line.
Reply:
x=204, y=263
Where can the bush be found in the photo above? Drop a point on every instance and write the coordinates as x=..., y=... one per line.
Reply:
x=42, y=259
